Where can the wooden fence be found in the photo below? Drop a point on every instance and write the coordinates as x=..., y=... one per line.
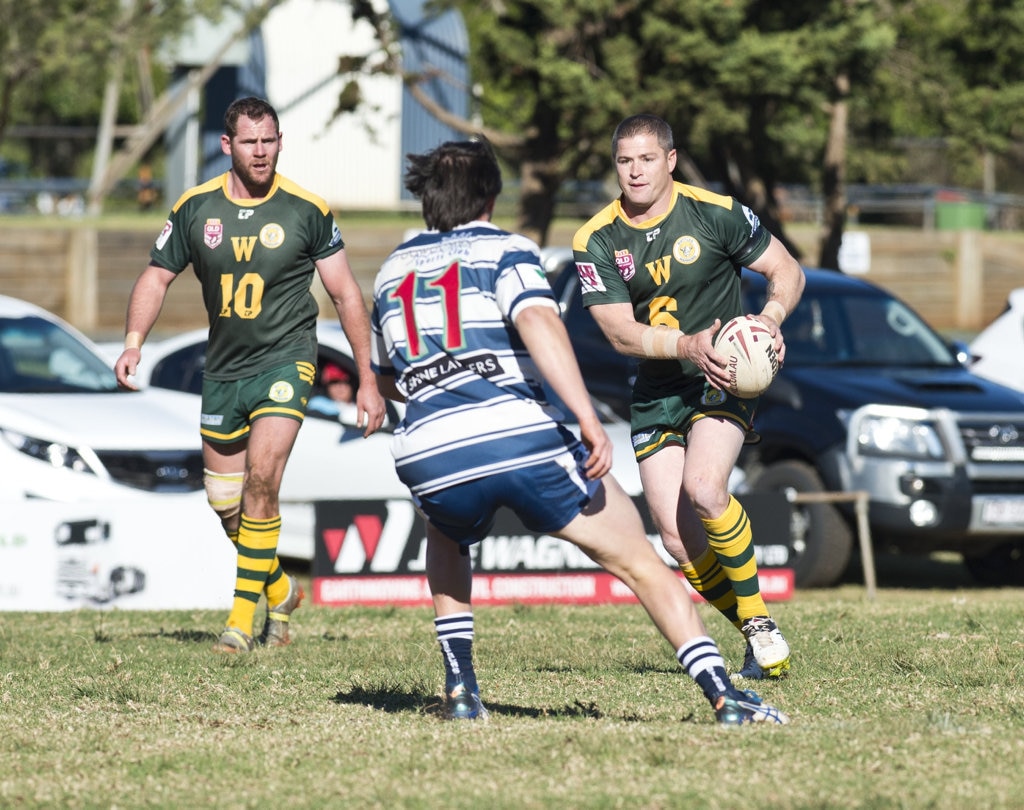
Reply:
x=958, y=280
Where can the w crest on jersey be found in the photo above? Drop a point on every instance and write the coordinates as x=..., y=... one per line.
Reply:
x=686, y=250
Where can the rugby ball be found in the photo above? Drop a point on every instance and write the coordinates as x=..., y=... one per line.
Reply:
x=750, y=349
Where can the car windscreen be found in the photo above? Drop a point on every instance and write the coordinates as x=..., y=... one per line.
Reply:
x=38, y=356
x=181, y=370
x=853, y=329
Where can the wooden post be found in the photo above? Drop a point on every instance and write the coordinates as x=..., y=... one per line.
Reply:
x=968, y=280
x=860, y=499
x=82, y=278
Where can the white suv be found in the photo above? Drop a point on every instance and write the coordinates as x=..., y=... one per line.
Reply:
x=68, y=434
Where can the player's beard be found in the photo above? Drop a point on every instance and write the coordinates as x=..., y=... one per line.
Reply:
x=257, y=183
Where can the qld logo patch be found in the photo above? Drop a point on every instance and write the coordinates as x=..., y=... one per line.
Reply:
x=686, y=250
x=213, y=233
x=625, y=264
x=272, y=235
x=281, y=391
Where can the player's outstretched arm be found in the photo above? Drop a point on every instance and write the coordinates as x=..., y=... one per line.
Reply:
x=786, y=282
x=144, y=305
x=342, y=287
x=548, y=343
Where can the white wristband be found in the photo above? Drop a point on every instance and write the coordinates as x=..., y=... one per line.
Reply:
x=660, y=342
x=775, y=311
x=133, y=340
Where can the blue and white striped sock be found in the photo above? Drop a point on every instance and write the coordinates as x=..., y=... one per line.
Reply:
x=455, y=635
x=704, y=663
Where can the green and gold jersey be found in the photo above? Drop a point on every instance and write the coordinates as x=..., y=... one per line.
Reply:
x=681, y=269
x=254, y=259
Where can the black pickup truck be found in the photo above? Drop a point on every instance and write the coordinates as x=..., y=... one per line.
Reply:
x=870, y=399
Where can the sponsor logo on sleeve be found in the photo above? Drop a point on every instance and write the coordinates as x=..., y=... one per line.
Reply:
x=755, y=223
x=165, y=234
x=590, y=281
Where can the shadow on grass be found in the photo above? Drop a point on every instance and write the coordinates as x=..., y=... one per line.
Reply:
x=668, y=668
x=185, y=636
x=397, y=699
x=914, y=571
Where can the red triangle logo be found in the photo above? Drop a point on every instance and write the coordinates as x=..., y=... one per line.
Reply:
x=370, y=528
x=333, y=538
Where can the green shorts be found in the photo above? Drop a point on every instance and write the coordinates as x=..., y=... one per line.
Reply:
x=663, y=411
x=230, y=407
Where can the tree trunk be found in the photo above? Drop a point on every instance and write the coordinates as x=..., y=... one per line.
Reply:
x=752, y=189
x=834, y=183
x=761, y=199
x=540, y=181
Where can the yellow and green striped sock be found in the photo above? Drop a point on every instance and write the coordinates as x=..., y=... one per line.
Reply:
x=707, y=577
x=277, y=585
x=732, y=540
x=257, y=552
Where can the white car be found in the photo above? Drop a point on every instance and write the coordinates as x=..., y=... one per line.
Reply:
x=331, y=460
x=68, y=434
x=997, y=350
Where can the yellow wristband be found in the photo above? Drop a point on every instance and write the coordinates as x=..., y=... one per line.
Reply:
x=775, y=311
x=660, y=342
x=133, y=340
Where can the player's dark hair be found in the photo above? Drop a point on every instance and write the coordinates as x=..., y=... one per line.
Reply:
x=250, y=107
x=455, y=182
x=643, y=124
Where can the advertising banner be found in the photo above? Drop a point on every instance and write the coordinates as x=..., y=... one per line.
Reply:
x=163, y=552
x=373, y=553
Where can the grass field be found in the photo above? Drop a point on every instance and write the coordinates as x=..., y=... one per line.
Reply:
x=913, y=700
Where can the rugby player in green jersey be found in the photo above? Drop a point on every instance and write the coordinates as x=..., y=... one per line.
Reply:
x=660, y=272
x=254, y=239
x=477, y=434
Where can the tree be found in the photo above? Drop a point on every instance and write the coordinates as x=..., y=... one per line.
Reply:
x=54, y=62
x=107, y=172
x=972, y=58
x=537, y=111
x=756, y=92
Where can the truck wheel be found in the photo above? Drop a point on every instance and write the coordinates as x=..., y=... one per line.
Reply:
x=820, y=540
x=1003, y=565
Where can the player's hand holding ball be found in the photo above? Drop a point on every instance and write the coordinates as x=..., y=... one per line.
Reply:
x=749, y=348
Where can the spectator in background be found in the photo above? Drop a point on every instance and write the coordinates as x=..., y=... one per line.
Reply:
x=147, y=195
x=338, y=396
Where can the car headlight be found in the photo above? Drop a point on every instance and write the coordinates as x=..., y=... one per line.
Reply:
x=887, y=435
x=53, y=453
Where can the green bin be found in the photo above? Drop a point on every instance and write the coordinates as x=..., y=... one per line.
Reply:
x=960, y=216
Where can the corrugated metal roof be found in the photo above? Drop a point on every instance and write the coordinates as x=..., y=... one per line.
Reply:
x=354, y=161
x=436, y=45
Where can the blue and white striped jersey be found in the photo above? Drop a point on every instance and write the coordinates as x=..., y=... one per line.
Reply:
x=443, y=312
